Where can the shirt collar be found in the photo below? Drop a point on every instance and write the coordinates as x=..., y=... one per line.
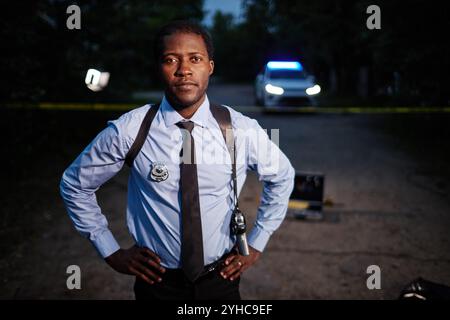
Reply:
x=171, y=116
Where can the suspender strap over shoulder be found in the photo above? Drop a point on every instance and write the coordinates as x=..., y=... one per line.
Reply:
x=223, y=118
x=142, y=135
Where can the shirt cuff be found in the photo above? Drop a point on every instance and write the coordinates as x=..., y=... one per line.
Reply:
x=105, y=243
x=258, y=238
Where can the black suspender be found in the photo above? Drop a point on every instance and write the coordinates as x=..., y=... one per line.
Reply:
x=223, y=118
x=238, y=224
x=141, y=136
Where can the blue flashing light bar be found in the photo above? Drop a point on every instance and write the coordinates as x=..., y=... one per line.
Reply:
x=285, y=65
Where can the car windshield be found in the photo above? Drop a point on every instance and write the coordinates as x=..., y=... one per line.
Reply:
x=287, y=74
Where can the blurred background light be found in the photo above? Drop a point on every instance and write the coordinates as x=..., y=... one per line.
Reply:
x=96, y=80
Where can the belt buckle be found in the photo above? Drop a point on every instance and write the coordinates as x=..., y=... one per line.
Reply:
x=211, y=268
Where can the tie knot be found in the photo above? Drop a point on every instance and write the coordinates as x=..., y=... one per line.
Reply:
x=187, y=125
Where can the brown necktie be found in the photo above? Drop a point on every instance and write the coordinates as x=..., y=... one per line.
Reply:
x=191, y=229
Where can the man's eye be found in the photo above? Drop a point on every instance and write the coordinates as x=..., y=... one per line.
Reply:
x=196, y=59
x=169, y=60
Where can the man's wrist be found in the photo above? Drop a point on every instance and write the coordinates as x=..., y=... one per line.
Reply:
x=258, y=238
x=105, y=243
x=113, y=255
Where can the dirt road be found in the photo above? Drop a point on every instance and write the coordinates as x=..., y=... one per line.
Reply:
x=390, y=208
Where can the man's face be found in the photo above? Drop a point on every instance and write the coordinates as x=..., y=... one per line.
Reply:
x=185, y=69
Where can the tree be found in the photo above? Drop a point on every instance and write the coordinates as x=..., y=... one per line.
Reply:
x=46, y=61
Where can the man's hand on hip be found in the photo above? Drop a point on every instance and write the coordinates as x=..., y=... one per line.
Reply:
x=236, y=264
x=141, y=262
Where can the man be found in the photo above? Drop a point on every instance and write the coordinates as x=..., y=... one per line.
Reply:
x=178, y=212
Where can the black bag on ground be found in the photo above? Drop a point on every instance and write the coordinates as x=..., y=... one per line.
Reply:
x=421, y=289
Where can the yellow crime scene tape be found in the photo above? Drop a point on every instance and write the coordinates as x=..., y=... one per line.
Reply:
x=298, y=205
x=376, y=110
x=336, y=110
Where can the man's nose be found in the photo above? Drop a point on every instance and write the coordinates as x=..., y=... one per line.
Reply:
x=183, y=69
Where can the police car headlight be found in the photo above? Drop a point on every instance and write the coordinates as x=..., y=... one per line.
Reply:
x=274, y=89
x=313, y=90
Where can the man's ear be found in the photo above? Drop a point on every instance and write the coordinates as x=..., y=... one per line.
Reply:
x=211, y=67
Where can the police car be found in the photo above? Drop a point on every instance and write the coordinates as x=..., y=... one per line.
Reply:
x=285, y=83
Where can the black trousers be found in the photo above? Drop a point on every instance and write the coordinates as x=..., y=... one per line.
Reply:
x=175, y=286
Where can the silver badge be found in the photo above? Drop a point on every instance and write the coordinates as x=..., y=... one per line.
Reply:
x=159, y=172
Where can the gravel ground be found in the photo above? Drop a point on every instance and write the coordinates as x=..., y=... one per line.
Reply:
x=390, y=207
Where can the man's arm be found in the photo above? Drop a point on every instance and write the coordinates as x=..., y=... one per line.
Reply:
x=99, y=162
x=277, y=174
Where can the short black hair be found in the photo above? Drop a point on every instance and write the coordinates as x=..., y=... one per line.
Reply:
x=182, y=26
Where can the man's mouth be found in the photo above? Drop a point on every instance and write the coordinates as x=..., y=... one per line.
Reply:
x=185, y=85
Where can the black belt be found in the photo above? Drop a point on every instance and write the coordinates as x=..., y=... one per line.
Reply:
x=213, y=266
x=206, y=270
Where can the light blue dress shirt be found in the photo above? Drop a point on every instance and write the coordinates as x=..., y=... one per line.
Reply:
x=153, y=210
